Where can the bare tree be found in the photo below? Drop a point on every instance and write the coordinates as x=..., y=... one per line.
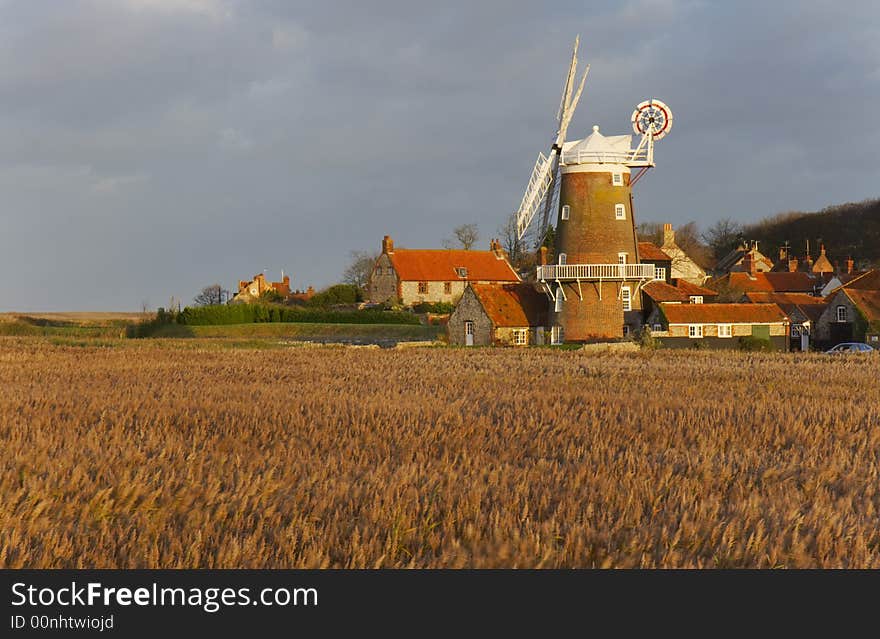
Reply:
x=359, y=268
x=723, y=236
x=466, y=235
x=511, y=242
x=211, y=295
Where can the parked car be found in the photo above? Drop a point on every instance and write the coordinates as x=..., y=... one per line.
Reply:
x=850, y=347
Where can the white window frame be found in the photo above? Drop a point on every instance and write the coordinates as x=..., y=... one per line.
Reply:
x=566, y=211
x=695, y=331
x=659, y=273
x=619, y=211
x=842, y=313
x=621, y=258
x=626, y=298
x=657, y=328
x=559, y=299
x=557, y=335
x=725, y=330
x=521, y=336
x=617, y=179
x=696, y=299
x=562, y=259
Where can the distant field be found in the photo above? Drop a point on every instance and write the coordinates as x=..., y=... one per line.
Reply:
x=174, y=453
x=75, y=318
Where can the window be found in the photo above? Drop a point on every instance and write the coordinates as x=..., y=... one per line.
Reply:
x=841, y=313
x=558, y=307
x=521, y=336
x=557, y=335
x=659, y=273
x=657, y=328
x=566, y=211
x=626, y=330
x=447, y=288
x=695, y=330
x=725, y=330
x=619, y=211
x=461, y=271
x=696, y=299
x=423, y=288
x=617, y=179
x=563, y=258
x=626, y=297
x=621, y=258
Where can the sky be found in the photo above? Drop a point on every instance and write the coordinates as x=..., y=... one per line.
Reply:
x=149, y=148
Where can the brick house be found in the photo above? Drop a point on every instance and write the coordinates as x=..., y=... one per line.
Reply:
x=718, y=325
x=852, y=313
x=498, y=314
x=413, y=276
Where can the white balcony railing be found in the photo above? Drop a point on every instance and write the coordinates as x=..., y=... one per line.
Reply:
x=561, y=272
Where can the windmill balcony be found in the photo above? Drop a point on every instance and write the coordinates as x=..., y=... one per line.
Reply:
x=572, y=272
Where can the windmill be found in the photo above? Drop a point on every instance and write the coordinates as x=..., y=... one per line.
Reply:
x=546, y=169
x=594, y=287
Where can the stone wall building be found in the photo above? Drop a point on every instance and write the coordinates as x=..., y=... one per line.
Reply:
x=413, y=276
x=722, y=326
x=852, y=313
x=499, y=315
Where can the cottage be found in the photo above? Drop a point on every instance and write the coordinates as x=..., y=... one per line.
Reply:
x=413, y=276
x=852, y=313
x=745, y=258
x=250, y=291
x=682, y=292
x=498, y=314
x=753, y=280
x=682, y=266
x=803, y=312
x=718, y=325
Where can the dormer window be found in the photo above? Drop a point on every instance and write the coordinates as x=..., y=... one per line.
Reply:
x=566, y=211
x=617, y=179
x=461, y=271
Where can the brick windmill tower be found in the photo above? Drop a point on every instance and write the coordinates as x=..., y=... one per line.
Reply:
x=593, y=288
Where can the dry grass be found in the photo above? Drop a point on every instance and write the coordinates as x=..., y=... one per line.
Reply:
x=146, y=455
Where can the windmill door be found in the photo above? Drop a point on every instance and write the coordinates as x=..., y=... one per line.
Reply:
x=468, y=333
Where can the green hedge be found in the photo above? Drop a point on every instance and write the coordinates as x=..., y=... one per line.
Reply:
x=254, y=313
x=436, y=307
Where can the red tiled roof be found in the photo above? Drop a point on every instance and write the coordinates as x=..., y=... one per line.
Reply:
x=512, y=304
x=784, y=298
x=768, y=282
x=722, y=313
x=424, y=265
x=663, y=292
x=693, y=289
x=869, y=281
x=868, y=302
x=653, y=253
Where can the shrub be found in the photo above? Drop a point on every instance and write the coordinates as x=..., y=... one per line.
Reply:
x=335, y=295
x=755, y=344
x=254, y=313
x=441, y=308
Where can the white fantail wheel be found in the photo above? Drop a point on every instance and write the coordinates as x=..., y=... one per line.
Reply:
x=652, y=117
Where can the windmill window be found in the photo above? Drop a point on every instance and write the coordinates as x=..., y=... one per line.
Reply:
x=558, y=307
x=566, y=211
x=841, y=313
x=621, y=258
x=557, y=335
x=423, y=288
x=626, y=330
x=617, y=179
x=563, y=258
x=626, y=298
x=619, y=212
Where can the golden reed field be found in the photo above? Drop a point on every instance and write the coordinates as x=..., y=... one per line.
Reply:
x=155, y=454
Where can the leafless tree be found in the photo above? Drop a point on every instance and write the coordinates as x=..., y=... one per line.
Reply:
x=466, y=235
x=211, y=295
x=723, y=236
x=359, y=268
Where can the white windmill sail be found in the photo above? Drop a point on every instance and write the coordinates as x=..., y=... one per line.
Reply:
x=544, y=174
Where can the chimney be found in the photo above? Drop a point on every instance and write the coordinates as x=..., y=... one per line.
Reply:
x=668, y=235
x=286, y=280
x=849, y=264
x=749, y=265
x=542, y=256
x=793, y=265
x=387, y=244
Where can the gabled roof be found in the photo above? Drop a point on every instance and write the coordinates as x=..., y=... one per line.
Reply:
x=869, y=281
x=652, y=253
x=423, y=265
x=868, y=302
x=722, y=313
x=768, y=282
x=510, y=305
x=693, y=289
x=663, y=292
x=809, y=306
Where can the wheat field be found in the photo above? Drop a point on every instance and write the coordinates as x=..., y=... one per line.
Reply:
x=149, y=454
